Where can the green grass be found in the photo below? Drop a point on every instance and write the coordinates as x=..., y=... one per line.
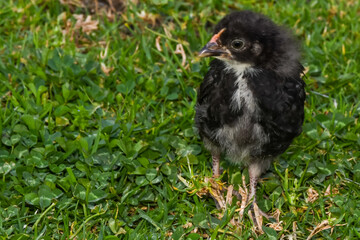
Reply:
x=86, y=155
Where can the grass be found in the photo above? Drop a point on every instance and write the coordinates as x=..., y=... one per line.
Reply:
x=98, y=138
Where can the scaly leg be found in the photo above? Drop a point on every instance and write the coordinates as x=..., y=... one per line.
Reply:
x=216, y=165
x=255, y=213
x=216, y=189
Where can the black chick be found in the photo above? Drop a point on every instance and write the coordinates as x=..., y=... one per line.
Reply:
x=250, y=105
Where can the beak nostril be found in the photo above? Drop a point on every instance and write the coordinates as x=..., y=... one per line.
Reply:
x=211, y=45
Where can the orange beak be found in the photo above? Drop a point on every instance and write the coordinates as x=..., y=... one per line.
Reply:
x=214, y=47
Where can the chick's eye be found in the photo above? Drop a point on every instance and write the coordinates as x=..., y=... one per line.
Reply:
x=237, y=44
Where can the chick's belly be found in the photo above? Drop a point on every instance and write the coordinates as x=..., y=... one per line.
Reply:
x=242, y=141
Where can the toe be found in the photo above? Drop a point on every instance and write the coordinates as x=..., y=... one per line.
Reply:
x=256, y=216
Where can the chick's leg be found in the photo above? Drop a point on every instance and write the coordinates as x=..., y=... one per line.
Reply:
x=255, y=171
x=216, y=165
x=216, y=186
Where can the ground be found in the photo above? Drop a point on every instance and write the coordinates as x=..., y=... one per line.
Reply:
x=98, y=140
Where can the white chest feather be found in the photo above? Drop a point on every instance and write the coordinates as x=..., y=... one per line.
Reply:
x=242, y=96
